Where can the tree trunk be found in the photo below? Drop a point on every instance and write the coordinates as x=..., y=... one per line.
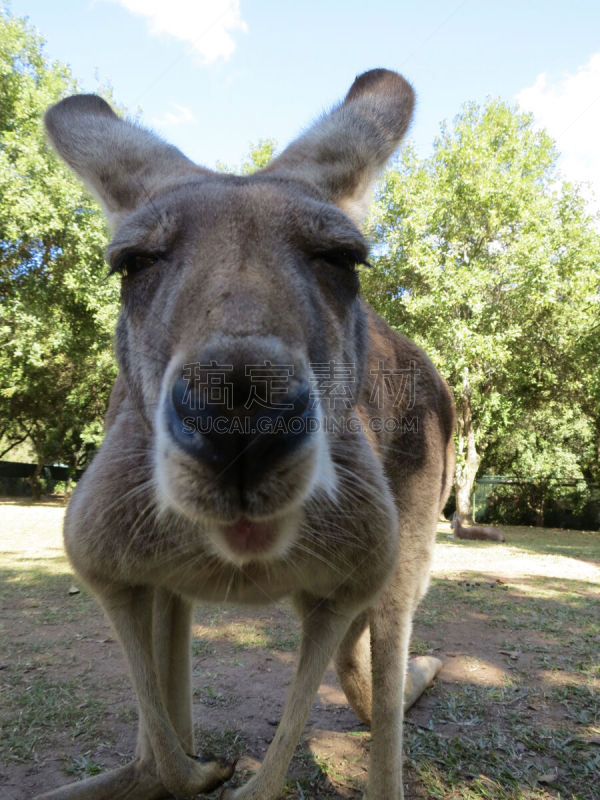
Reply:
x=35, y=482
x=540, y=508
x=69, y=481
x=467, y=458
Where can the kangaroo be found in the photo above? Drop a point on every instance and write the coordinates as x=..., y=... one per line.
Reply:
x=484, y=532
x=268, y=434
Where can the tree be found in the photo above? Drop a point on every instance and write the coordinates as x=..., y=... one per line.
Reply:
x=492, y=266
x=259, y=156
x=57, y=310
x=552, y=445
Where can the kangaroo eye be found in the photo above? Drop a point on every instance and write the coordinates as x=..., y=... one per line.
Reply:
x=131, y=263
x=345, y=258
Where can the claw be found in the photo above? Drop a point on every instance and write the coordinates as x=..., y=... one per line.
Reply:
x=135, y=781
x=131, y=782
x=223, y=770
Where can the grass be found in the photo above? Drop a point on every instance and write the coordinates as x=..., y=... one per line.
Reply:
x=515, y=717
x=534, y=733
x=33, y=707
x=43, y=688
x=473, y=742
x=222, y=624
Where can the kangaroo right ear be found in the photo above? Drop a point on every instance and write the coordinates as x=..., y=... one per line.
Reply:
x=345, y=150
x=120, y=162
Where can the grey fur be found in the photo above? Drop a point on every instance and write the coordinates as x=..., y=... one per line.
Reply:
x=248, y=270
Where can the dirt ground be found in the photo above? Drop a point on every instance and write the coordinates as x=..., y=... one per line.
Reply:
x=75, y=711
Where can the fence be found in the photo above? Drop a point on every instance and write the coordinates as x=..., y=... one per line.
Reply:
x=15, y=477
x=495, y=498
x=558, y=503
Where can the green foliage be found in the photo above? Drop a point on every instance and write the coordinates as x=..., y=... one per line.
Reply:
x=259, y=156
x=57, y=310
x=494, y=267
x=481, y=256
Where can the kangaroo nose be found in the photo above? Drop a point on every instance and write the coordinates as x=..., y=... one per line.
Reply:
x=242, y=434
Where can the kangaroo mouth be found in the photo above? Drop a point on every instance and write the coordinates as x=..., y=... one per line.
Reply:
x=247, y=537
x=247, y=497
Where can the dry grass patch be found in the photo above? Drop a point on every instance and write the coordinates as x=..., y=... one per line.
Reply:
x=515, y=714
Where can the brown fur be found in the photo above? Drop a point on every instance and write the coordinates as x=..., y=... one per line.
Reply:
x=483, y=532
x=247, y=270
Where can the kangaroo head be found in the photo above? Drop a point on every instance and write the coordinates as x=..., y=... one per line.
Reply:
x=233, y=289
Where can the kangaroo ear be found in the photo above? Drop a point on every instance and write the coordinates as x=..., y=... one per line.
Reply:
x=123, y=164
x=345, y=150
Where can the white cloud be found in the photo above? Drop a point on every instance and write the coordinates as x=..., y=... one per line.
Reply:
x=206, y=25
x=180, y=115
x=569, y=109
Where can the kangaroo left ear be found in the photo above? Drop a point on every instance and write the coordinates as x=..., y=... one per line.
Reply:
x=122, y=163
x=344, y=151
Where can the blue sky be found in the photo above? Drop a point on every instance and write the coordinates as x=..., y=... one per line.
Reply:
x=213, y=76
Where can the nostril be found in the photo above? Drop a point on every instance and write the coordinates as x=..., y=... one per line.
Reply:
x=191, y=416
x=189, y=402
x=181, y=397
x=191, y=426
x=300, y=401
x=241, y=442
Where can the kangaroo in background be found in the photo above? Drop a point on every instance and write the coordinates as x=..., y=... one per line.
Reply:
x=484, y=532
x=231, y=469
